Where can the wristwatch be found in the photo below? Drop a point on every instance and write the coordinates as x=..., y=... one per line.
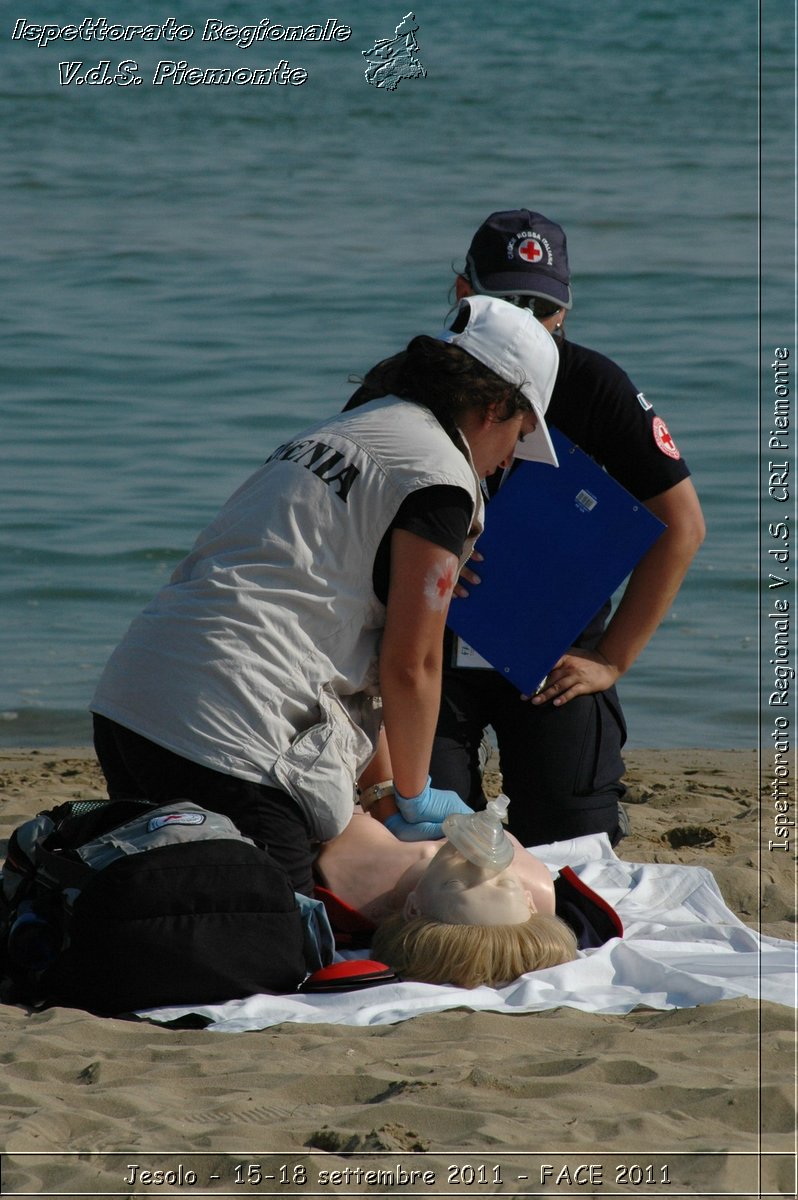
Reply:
x=369, y=797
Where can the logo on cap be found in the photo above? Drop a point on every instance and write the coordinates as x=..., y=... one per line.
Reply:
x=530, y=250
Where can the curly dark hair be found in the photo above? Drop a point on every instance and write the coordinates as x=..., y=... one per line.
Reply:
x=446, y=380
x=449, y=381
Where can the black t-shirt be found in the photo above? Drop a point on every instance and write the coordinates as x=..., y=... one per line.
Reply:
x=597, y=406
x=440, y=514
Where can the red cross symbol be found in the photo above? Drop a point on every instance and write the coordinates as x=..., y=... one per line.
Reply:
x=445, y=582
x=664, y=440
x=530, y=250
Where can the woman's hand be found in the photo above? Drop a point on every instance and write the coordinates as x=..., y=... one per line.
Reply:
x=577, y=673
x=431, y=804
x=408, y=831
x=421, y=817
x=468, y=576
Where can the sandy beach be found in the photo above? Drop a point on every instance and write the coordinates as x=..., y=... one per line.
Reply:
x=704, y=1094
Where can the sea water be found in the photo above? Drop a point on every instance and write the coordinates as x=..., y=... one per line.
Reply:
x=193, y=272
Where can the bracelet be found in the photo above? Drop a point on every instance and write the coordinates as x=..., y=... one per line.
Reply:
x=368, y=798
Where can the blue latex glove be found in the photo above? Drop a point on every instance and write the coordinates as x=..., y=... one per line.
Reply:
x=422, y=831
x=432, y=804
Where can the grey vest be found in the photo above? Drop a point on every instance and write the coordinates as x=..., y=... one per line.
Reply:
x=260, y=657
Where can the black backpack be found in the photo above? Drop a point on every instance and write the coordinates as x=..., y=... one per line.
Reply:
x=119, y=905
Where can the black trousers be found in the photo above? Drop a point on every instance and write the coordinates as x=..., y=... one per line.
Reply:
x=133, y=766
x=562, y=767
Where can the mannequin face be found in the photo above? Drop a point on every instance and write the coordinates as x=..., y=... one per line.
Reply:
x=458, y=892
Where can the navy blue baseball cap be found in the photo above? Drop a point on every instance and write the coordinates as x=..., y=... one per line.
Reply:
x=520, y=253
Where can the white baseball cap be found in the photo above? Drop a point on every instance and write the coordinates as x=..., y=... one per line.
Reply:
x=514, y=344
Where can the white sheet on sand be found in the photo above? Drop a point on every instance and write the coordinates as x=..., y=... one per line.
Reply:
x=682, y=947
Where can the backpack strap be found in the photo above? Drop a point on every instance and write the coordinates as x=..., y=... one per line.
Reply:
x=55, y=870
x=75, y=824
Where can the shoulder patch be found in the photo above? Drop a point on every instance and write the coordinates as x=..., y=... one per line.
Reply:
x=175, y=818
x=664, y=441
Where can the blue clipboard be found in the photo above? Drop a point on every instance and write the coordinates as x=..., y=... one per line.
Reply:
x=558, y=541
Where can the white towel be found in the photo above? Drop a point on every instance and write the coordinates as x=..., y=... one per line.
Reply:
x=682, y=947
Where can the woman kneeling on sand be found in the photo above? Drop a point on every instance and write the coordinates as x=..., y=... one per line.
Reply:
x=312, y=609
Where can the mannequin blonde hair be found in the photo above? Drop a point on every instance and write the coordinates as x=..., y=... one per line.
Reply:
x=468, y=956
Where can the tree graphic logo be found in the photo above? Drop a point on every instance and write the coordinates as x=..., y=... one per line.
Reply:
x=392, y=59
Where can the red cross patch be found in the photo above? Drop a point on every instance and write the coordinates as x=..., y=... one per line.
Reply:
x=530, y=250
x=664, y=440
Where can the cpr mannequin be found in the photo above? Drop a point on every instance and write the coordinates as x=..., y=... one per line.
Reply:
x=475, y=909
